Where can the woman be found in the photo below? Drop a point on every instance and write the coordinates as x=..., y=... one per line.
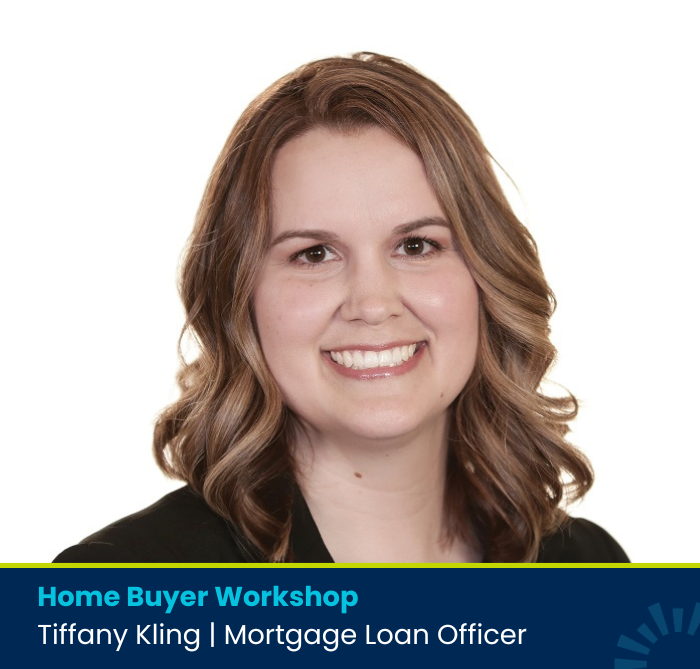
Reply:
x=373, y=323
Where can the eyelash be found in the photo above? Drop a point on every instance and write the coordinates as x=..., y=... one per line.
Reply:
x=297, y=257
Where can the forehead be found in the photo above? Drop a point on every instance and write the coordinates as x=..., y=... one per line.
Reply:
x=327, y=177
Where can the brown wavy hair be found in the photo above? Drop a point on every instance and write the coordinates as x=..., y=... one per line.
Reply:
x=228, y=435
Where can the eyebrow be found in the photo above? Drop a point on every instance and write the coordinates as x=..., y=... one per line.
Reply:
x=327, y=236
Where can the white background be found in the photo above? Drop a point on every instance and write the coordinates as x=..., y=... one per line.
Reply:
x=113, y=115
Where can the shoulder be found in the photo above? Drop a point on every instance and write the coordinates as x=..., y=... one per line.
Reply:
x=579, y=540
x=180, y=527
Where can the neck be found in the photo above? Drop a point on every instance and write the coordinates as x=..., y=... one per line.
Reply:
x=380, y=501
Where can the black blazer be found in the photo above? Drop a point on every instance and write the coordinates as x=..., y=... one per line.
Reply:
x=180, y=527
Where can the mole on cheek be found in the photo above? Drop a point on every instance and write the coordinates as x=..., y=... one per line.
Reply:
x=358, y=475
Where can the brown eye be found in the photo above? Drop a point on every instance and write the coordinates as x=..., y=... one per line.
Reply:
x=315, y=254
x=414, y=246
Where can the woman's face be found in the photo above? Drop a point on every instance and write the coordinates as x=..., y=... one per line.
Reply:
x=367, y=313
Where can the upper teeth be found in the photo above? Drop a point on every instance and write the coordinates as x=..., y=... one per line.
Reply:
x=390, y=357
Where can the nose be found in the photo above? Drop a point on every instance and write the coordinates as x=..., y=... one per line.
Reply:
x=373, y=292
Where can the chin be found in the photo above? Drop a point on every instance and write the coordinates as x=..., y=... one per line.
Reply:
x=398, y=425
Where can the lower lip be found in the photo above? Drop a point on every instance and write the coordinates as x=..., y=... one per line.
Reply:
x=376, y=372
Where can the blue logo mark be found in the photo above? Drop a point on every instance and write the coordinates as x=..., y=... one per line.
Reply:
x=663, y=647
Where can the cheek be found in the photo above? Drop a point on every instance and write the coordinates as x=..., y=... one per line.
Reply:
x=450, y=309
x=449, y=304
x=291, y=319
x=290, y=314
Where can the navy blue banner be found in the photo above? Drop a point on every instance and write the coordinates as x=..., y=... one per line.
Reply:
x=627, y=618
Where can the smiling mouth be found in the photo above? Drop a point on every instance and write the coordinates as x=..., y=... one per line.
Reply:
x=389, y=357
